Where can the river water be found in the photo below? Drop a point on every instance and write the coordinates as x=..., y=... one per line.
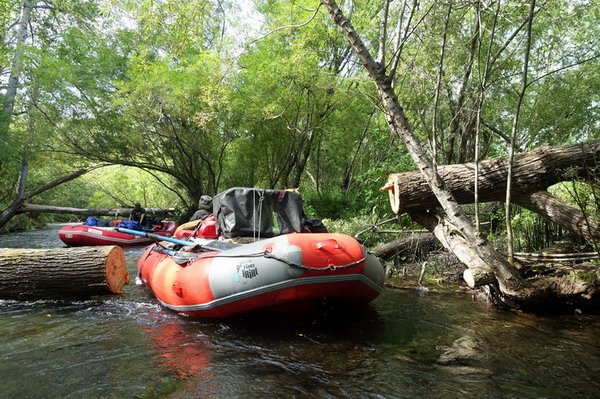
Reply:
x=405, y=344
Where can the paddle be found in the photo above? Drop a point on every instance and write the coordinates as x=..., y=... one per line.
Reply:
x=213, y=246
x=156, y=236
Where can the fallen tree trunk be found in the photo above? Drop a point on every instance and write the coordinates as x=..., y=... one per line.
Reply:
x=554, y=209
x=34, y=208
x=408, y=248
x=509, y=280
x=533, y=173
x=62, y=272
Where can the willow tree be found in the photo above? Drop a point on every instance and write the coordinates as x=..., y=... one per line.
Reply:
x=302, y=118
x=167, y=113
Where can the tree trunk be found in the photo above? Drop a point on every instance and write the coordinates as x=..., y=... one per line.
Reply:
x=447, y=235
x=62, y=272
x=508, y=277
x=34, y=208
x=533, y=172
x=13, y=207
x=15, y=72
x=411, y=247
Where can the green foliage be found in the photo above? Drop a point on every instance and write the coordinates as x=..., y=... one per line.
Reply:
x=19, y=223
x=366, y=227
x=330, y=205
x=112, y=187
x=589, y=277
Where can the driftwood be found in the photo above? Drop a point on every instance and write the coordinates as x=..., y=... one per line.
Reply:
x=533, y=173
x=119, y=212
x=62, y=272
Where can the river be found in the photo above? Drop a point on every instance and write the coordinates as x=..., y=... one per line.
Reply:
x=405, y=344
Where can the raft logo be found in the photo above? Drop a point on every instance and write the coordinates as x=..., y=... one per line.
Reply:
x=247, y=269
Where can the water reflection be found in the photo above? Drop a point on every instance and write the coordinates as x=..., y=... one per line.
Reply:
x=181, y=350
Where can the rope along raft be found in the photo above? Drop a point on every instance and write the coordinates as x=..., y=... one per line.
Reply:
x=184, y=259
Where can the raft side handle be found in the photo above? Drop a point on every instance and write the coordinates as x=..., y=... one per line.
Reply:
x=325, y=244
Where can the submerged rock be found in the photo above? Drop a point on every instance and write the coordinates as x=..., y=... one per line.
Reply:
x=465, y=351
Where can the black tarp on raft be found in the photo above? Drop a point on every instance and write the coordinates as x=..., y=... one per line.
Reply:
x=253, y=212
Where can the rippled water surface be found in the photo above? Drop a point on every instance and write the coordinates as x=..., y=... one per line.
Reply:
x=406, y=344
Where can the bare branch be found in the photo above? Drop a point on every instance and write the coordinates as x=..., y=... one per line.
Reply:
x=59, y=181
x=576, y=63
x=316, y=12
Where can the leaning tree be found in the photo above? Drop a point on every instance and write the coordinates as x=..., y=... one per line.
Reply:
x=447, y=220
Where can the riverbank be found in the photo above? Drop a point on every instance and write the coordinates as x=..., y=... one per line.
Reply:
x=572, y=287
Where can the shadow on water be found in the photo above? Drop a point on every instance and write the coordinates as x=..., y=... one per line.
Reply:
x=406, y=344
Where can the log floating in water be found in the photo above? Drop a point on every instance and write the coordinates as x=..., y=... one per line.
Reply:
x=62, y=272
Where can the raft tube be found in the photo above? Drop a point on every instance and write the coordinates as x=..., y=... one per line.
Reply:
x=82, y=235
x=287, y=272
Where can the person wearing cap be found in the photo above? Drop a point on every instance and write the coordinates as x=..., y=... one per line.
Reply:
x=205, y=208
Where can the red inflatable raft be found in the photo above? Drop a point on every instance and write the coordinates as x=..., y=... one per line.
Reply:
x=282, y=273
x=80, y=235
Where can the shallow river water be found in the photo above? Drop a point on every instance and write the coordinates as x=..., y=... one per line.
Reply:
x=405, y=344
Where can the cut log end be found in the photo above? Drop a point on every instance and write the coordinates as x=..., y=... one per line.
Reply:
x=116, y=270
x=62, y=272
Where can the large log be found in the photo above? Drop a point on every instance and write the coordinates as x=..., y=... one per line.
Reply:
x=62, y=272
x=533, y=173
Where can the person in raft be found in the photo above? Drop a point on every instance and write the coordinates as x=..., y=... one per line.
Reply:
x=205, y=207
x=137, y=213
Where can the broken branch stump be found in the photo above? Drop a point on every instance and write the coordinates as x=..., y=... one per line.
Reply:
x=62, y=272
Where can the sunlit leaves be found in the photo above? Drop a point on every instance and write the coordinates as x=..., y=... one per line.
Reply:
x=172, y=27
